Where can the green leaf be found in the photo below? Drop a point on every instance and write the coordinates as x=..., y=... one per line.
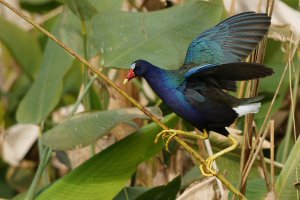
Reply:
x=106, y=5
x=105, y=174
x=82, y=8
x=36, y=2
x=73, y=79
x=293, y=3
x=39, y=6
x=289, y=175
x=256, y=189
x=18, y=43
x=45, y=92
x=164, y=192
x=160, y=37
x=130, y=193
x=70, y=31
x=20, y=196
x=280, y=155
x=15, y=95
x=85, y=128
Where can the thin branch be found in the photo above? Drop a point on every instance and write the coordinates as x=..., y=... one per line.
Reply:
x=265, y=170
x=253, y=158
x=272, y=156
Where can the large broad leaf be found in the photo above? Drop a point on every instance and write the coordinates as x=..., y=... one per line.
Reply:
x=256, y=189
x=36, y=1
x=85, y=128
x=290, y=174
x=105, y=174
x=160, y=37
x=293, y=3
x=106, y=5
x=39, y=6
x=82, y=8
x=165, y=192
x=45, y=92
x=130, y=193
x=85, y=9
x=18, y=42
x=281, y=155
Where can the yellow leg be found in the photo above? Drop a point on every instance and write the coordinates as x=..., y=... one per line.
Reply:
x=171, y=133
x=207, y=168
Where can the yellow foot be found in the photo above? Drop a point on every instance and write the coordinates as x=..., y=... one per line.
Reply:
x=207, y=169
x=171, y=133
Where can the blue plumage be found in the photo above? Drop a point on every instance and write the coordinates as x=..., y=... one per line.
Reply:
x=230, y=41
x=213, y=64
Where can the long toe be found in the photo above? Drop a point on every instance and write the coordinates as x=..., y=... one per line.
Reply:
x=205, y=172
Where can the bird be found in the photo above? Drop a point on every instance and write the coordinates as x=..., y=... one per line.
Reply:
x=214, y=62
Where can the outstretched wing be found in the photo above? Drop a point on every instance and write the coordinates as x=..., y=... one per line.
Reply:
x=237, y=71
x=224, y=76
x=230, y=41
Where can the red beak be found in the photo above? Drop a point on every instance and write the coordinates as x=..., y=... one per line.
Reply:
x=129, y=76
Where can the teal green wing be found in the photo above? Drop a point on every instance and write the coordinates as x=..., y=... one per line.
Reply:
x=230, y=41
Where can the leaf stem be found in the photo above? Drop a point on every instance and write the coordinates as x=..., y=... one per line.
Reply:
x=86, y=83
x=133, y=101
x=81, y=96
x=45, y=156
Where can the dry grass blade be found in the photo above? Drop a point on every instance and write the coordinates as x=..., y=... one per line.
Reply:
x=253, y=157
x=272, y=156
x=257, y=56
x=256, y=147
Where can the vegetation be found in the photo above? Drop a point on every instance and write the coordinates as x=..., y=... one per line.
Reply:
x=51, y=151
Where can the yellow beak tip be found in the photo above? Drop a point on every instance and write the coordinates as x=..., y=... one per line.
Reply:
x=125, y=81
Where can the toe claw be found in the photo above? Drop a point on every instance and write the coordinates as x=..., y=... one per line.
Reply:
x=171, y=133
x=207, y=169
x=169, y=140
x=164, y=134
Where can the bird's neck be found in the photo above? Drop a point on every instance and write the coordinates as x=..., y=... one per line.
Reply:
x=162, y=80
x=153, y=73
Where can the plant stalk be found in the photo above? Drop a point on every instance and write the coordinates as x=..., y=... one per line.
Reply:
x=45, y=156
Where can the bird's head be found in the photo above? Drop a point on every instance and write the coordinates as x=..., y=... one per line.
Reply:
x=137, y=68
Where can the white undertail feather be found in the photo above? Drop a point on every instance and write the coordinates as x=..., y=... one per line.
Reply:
x=246, y=109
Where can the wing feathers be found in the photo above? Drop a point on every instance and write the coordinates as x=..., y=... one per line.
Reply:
x=240, y=71
x=231, y=71
x=230, y=41
x=243, y=17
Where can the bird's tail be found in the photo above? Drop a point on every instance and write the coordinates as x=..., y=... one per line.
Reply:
x=245, y=109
